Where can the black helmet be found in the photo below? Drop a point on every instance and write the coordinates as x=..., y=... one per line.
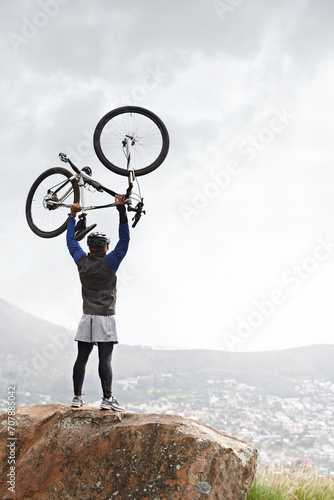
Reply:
x=96, y=241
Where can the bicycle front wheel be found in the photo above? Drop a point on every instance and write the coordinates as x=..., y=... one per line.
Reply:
x=149, y=139
x=45, y=214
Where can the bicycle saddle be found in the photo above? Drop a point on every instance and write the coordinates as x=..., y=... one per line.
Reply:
x=79, y=235
x=81, y=228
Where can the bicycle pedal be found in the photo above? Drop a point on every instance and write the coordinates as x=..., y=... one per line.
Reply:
x=79, y=235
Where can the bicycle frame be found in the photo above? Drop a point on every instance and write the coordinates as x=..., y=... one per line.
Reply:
x=83, y=177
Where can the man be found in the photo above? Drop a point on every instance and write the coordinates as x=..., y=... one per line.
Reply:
x=97, y=272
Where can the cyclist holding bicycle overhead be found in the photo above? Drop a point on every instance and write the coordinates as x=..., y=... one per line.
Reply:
x=97, y=272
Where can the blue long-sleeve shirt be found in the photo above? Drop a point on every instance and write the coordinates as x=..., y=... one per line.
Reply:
x=98, y=271
x=114, y=258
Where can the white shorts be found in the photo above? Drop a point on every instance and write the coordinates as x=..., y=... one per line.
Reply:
x=93, y=328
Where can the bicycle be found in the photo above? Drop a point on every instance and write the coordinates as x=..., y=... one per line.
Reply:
x=130, y=141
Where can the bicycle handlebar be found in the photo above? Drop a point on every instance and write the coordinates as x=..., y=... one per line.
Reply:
x=139, y=211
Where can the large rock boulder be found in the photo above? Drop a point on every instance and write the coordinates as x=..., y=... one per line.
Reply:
x=87, y=453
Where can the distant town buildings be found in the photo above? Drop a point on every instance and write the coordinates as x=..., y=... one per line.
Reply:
x=285, y=430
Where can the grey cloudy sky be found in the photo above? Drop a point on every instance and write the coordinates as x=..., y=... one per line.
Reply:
x=237, y=248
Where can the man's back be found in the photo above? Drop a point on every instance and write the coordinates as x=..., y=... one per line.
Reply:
x=98, y=285
x=97, y=271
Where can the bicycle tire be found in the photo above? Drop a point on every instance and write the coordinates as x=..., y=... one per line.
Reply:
x=151, y=144
x=40, y=218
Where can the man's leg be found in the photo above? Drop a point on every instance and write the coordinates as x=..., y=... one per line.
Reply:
x=105, y=370
x=79, y=368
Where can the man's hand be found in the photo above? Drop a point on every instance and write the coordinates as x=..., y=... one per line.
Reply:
x=119, y=199
x=75, y=208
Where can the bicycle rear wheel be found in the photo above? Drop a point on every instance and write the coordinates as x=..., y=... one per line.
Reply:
x=44, y=216
x=149, y=135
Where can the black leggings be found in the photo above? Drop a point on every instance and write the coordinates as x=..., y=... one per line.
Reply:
x=105, y=371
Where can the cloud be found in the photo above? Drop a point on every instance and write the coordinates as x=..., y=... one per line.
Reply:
x=218, y=79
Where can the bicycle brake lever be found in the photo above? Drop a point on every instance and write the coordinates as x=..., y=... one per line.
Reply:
x=136, y=219
x=63, y=157
x=139, y=211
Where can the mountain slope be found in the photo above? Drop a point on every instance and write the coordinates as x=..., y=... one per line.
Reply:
x=22, y=332
x=38, y=356
x=272, y=371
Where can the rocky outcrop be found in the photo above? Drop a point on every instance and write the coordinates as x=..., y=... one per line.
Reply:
x=87, y=453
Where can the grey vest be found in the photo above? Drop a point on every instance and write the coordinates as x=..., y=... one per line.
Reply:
x=98, y=285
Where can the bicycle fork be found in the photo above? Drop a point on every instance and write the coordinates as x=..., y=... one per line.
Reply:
x=128, y=142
